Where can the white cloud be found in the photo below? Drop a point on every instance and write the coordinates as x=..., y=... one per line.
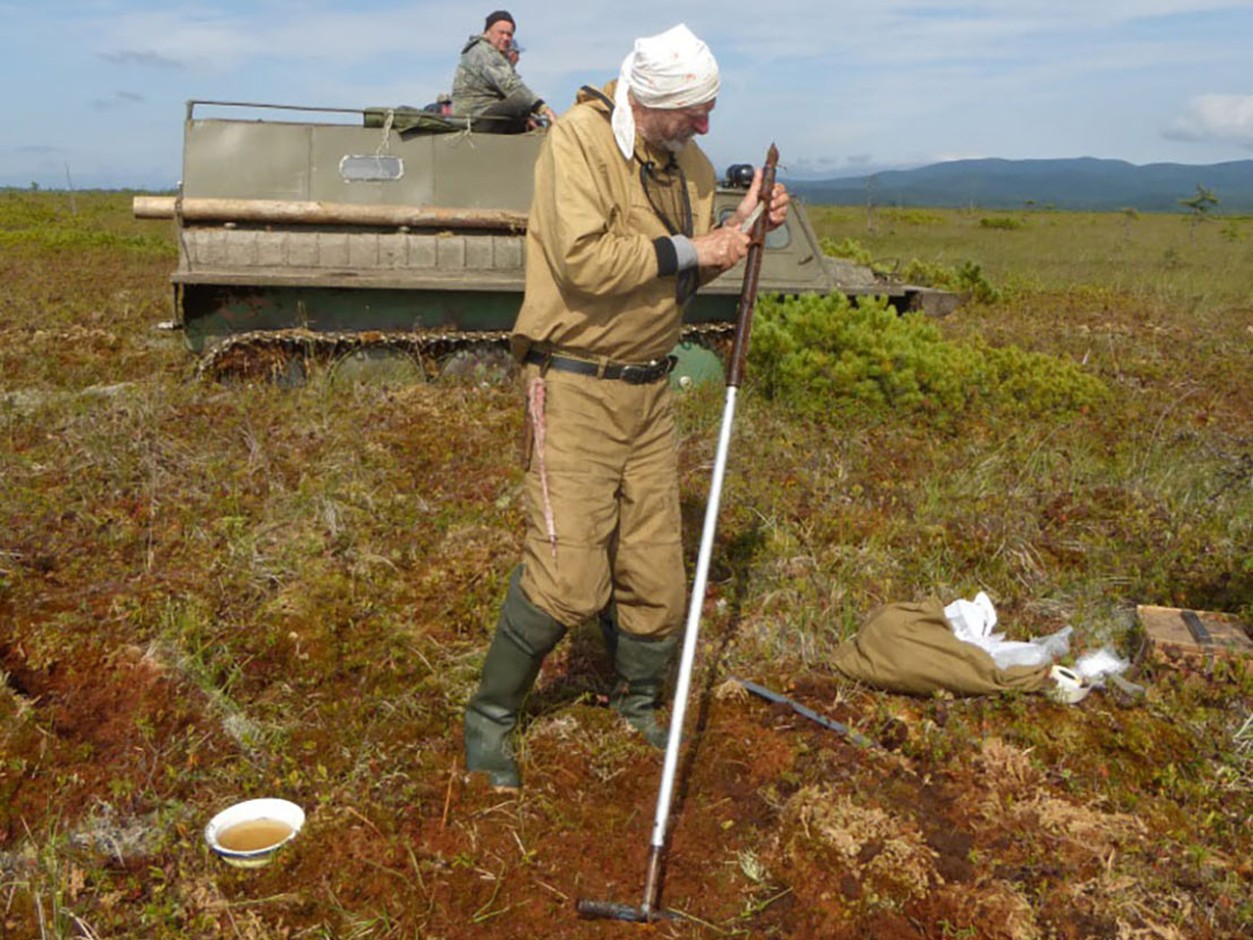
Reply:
x=1215, y=118
x=230, y=34
x=134, y=57
x=117, y=100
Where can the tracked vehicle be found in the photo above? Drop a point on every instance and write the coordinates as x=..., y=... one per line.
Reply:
x=391, y=243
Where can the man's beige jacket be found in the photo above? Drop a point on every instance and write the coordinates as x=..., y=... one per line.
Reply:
x=592, y=284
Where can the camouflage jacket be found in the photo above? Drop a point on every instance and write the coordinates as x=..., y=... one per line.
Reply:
x=484, y=76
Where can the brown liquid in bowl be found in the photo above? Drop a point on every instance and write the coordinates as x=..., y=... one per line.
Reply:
x=253, y=834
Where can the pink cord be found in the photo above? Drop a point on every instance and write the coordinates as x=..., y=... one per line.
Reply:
x=535, y=405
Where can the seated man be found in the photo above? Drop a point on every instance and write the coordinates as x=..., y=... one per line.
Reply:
x=487, y=87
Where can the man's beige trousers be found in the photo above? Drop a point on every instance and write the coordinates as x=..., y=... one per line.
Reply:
x=608, y=525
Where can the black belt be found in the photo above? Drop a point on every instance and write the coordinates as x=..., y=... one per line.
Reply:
x=644, y=374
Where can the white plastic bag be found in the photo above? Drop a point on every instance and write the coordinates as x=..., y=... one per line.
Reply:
x=972, y=621
x=1008, y=653
x=1095, y=666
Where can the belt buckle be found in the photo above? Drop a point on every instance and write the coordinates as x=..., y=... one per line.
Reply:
x=641, y=375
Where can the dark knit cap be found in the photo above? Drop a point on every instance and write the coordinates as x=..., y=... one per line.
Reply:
x=496, y=18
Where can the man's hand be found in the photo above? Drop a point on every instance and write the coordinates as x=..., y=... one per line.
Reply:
x=724, y=246
x=721, y=248
x=544, y=116
x=778, y=204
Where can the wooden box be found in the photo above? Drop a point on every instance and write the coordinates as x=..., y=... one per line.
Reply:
x=1172, y=632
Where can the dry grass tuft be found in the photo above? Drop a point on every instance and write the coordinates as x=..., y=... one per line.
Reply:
x=885, y=852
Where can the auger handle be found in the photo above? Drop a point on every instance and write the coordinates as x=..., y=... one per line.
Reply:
x=752, y=271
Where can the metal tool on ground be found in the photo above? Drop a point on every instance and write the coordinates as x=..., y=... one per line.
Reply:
x=648, y=910
x=1200, y=633
x=759, y=690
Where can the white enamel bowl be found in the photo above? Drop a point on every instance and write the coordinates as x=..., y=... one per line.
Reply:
x=288, y=814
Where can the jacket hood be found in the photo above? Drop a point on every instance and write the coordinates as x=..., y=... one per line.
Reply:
x=585, y=96
x=476, y=38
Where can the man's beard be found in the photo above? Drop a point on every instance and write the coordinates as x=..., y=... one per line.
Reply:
x=650, y=132
x=674, y=144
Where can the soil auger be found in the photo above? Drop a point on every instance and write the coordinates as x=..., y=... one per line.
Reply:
x=649, y=910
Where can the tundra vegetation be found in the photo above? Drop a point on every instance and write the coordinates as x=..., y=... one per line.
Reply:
x=216, y=592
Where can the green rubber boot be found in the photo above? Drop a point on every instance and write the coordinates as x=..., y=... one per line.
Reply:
x=643, y=665
x=608, y=621
x=524, y=636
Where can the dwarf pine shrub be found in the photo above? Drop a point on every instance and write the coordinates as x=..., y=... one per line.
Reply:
x=849, y=248
x=967, y=278
x=822, y=354
x=1004, y=222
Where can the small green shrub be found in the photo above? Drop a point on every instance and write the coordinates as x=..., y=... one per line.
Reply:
x=967, y=278
x=818, y=355
x=912, y=217
x=971, y=280
x=848, y=248
x=1003, y=222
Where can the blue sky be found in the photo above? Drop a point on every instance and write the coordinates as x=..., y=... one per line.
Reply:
x=94, y=91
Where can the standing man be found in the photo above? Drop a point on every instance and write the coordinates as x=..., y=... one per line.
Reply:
x=487, y=86
x=619, y=236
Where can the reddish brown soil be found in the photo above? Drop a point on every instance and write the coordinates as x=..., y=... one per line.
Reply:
x=964, y=840
x=141, y=633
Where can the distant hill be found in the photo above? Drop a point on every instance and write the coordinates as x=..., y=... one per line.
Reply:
x=1085, y=183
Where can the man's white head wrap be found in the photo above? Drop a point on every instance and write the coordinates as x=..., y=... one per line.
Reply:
x=671, y=70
